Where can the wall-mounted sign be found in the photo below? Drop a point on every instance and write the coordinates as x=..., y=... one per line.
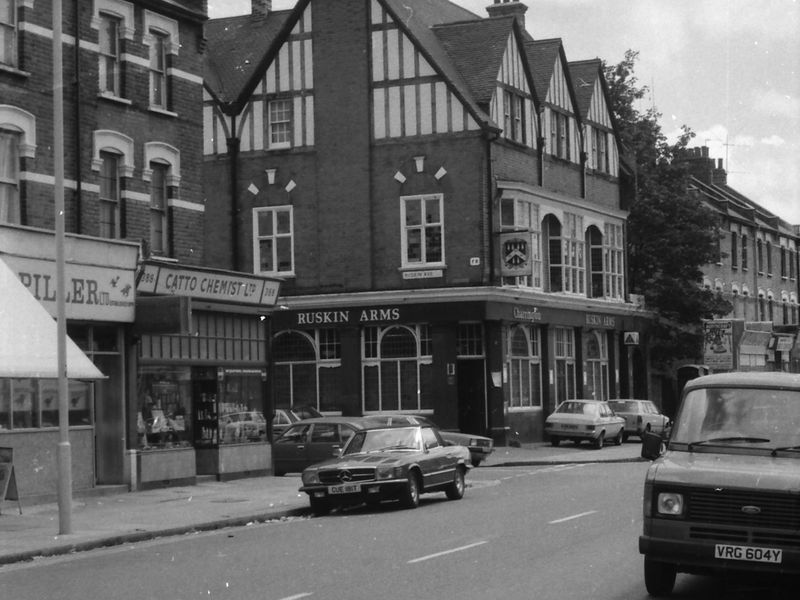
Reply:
x=204, y=284
x=515, y=254
x=718, y=345
x=604, y=321
x=631, y=338
x=429, y=274
x=92, y=293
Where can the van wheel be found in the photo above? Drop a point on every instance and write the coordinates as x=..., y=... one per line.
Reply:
x=659, y=578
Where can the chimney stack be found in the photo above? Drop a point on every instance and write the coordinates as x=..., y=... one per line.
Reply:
x=260, y=8
x=502, y=8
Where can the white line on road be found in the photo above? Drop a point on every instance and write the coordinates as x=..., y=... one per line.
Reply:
x=438, y=554
x=296, y=596
x=578, y=516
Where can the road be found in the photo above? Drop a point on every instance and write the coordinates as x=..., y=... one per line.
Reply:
x=546, y=532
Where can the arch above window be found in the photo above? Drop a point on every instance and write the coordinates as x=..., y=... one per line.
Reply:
x=293, y=346
x=162, y=152
x=113, y=141
x=118, y=8
x=163, y=24
x=16, y=119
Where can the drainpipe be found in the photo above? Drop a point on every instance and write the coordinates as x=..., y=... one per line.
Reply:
x=78, y=124
x=490, y=195
x=540, y=144
x=233, y=157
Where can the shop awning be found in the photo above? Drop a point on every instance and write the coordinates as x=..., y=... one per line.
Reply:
x=755, y=342
x=28, y=336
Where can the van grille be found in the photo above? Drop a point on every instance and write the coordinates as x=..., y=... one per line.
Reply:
x=779, y=511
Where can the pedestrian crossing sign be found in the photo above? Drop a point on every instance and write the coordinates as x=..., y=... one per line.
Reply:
x=631, y=338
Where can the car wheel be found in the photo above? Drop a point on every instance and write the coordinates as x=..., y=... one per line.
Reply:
x=455, y=491
x=410, y=496
x=624, y=437
x=476, y=461
x=659, y=578
x=554, y=441
x=320, y=506
x=598, y=443
x=619, y=438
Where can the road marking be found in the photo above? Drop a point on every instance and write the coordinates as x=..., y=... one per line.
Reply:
x=296, y=596
x=438, y=554
x=578, y=516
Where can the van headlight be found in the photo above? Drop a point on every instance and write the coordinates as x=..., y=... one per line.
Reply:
x=670, y=504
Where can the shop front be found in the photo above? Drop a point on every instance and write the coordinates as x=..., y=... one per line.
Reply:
x=199, y=391
x=99, y=305
x=481, y=362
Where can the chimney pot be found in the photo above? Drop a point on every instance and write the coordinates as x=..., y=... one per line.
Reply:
x=260, y=8
x=502, y=8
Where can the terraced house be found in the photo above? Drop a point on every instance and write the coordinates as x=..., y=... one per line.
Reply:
x=442, y=198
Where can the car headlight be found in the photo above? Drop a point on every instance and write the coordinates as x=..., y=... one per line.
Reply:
x=310, y=477
x=388, y=472
x=670, y=504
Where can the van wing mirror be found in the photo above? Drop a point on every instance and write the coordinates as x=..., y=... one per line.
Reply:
x=652, y=445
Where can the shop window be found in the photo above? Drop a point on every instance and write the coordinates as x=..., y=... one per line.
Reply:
x=524, y=367
x=597, y=382
x=399, y=377
x=241, y=406
x=164, y=404
x=34, y=403
x=307, y=368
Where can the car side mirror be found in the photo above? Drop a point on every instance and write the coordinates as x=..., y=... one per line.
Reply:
x=652, y=445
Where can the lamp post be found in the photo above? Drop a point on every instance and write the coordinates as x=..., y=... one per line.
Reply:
x=64, y=449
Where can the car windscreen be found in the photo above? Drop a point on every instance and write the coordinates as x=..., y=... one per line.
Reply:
x=377, y=440
x=741, y=417
x=578, y=408
x=624, y=406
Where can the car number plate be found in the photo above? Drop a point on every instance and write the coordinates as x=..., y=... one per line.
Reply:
x=749, y=553
x=569, y=427
x=345, y=488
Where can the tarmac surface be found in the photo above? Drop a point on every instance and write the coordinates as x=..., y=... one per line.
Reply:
x=101, y=519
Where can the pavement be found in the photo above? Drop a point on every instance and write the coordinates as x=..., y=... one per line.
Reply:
x=111, y=516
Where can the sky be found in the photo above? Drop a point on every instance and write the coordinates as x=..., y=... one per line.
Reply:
x=727, y=69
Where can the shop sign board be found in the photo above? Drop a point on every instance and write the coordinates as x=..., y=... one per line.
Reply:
x=208, y=285
x=718, y=344
x=93, y=293
x=515, y=253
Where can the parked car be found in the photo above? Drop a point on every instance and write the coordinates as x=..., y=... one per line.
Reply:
x=306, y=411
x=480, y=447
x=579, y=420
x=311, y=441
x=388, y=463
x=281, y=419
x=640, y=416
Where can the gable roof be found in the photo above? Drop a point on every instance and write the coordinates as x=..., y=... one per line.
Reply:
x=584, y=75
x=477, y=49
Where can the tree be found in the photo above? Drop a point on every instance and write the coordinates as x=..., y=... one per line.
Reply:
x=671, y=233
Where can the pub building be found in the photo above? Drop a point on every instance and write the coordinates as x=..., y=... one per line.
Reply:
x=486, y=361
x=99, y=307
x=199, y=391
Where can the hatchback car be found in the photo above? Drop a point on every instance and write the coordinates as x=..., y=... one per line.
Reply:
x=640, y=416
x=388, y=463
x=579, y=420
x=480, y=447
x=311, y=441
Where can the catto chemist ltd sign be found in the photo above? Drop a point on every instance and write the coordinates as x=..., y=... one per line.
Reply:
x=208, y=285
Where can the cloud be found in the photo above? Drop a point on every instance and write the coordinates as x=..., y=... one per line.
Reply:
x=773, y=140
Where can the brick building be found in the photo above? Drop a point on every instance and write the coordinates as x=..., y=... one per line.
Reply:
x=441, y=197
x=137, y=292
x=758, y=271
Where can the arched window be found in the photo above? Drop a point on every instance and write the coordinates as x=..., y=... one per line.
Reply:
x=294, y=369
x=397, y=367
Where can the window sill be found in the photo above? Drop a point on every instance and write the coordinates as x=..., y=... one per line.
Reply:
x=162, y=111
x=278, y=274
x=11, y=70
x=113, y=98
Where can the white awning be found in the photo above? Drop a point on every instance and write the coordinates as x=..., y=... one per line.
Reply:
x=28, y=336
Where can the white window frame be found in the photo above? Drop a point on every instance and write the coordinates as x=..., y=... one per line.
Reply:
x=421, y=228
x=159, y=244
x=280, y=124
x=110, y=205
x=275, y=235
x=525, y=217
x=158, y=70
x=524, y=368
x=110, y=61
x=613, y=262
x=564, y=358
x=8, y=35
x=573, y=249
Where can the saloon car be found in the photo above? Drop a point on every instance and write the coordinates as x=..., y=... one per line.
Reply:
x=640, y=416
x=388, y=463
x=311, y=441
x=480, y=447
x=579, y=420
